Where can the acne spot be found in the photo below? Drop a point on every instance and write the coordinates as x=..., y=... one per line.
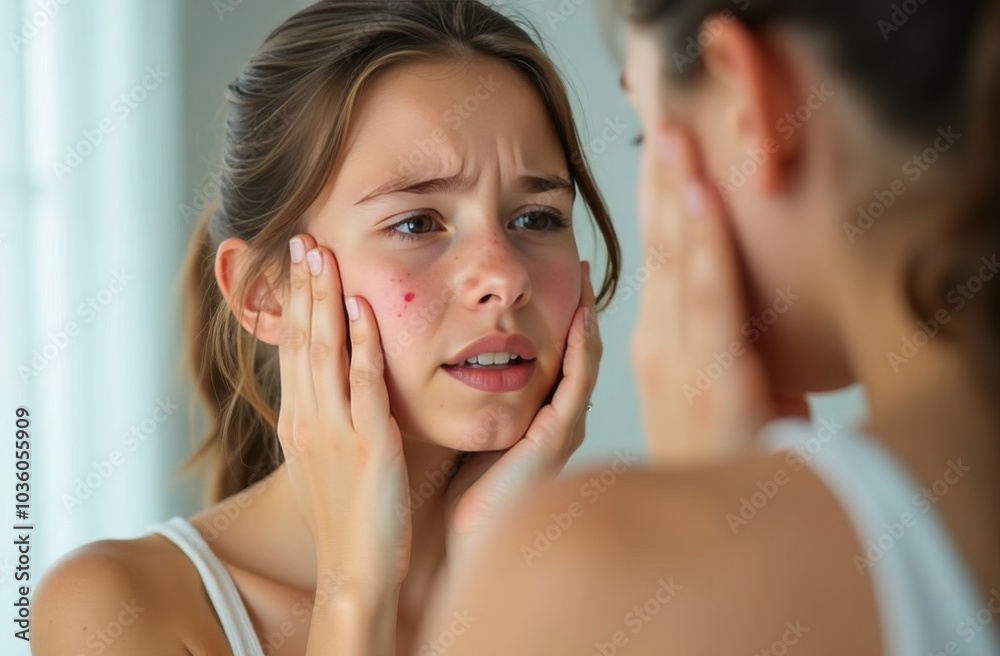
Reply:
x=409, y=297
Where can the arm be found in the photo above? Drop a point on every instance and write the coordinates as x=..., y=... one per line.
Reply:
x=356, y=621
x=90, y=602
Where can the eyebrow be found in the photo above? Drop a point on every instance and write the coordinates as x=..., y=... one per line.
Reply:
x=531, y=184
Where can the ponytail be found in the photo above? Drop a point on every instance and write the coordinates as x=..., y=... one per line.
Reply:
x=974, y=233
x=240, y=441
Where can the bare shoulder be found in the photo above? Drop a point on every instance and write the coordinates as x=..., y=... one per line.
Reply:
x=115, y=597
x=722, y=560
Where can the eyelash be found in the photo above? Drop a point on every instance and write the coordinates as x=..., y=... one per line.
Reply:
x=558, y=222
x=637, y=141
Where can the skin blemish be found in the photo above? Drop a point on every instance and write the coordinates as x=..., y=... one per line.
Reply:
x=409, y=297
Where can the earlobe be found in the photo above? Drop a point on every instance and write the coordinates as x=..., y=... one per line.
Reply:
x=761, y=91
x=259, y=313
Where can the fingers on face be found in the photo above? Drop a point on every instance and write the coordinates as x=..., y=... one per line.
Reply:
x=579, y=371
x=591, y=328
x=298, y=401
x=369, y=396
x=327, y=345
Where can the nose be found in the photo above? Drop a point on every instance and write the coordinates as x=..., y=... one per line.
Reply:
x=491, y=274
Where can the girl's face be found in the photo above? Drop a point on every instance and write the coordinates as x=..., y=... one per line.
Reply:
x=450, y=214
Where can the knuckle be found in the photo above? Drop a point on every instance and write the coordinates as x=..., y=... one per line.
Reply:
x=292, y=338
x=292, y=438
x=319, y=352
x=298, y=281
x=361, y=376
x=319, y=292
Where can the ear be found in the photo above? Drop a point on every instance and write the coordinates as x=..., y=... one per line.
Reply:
x=760, y=90
x=260, y=312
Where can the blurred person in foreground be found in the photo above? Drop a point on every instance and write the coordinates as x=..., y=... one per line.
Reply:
x=824, y=175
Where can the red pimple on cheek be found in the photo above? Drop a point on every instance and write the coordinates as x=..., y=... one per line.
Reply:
x=409, y=296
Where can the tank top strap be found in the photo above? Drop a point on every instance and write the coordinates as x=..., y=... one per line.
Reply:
x=218, y=583
x=927, y=600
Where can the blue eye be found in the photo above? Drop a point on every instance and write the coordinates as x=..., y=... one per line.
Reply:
x=539, y=220
x=414, y=227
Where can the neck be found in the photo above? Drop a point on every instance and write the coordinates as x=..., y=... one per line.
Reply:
x=283, y=549
x=931, y=408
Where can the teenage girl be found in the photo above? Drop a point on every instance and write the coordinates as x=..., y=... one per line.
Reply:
x=391, y=327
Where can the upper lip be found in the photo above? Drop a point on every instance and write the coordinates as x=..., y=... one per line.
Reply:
x=514, y=343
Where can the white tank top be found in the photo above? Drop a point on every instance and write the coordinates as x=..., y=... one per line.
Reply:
x=927, y=601
x=221, y=589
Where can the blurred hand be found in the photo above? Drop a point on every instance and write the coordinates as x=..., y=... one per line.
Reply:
x=689, y=319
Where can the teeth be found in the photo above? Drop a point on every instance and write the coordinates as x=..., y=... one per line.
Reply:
x=487, y=359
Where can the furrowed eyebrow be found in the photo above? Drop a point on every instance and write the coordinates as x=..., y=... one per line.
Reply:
x=544, y=184
x=532, y=184
x=406, y=185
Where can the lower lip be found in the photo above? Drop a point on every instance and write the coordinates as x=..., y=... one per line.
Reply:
x=507, y=379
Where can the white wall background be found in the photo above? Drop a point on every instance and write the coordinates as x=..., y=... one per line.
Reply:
x=93, y=358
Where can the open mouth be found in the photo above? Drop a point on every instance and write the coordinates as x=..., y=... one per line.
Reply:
x=493, y=372
x=500, y=362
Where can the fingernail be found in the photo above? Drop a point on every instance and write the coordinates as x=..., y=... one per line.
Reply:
x=315, y=262
x=352, y=308
x=668, y=148
x=694, y=200
x=298, y=249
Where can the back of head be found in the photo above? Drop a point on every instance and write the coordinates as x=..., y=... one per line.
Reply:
x=920, y=67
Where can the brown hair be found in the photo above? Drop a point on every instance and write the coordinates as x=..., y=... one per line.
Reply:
x=289, y=112
x=941, y=68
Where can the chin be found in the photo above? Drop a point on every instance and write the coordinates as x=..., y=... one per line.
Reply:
x=493, y=427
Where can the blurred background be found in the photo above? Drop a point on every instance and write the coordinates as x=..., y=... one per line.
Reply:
x=113, y=115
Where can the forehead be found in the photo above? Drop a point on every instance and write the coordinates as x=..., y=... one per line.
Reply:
x=442, y=114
